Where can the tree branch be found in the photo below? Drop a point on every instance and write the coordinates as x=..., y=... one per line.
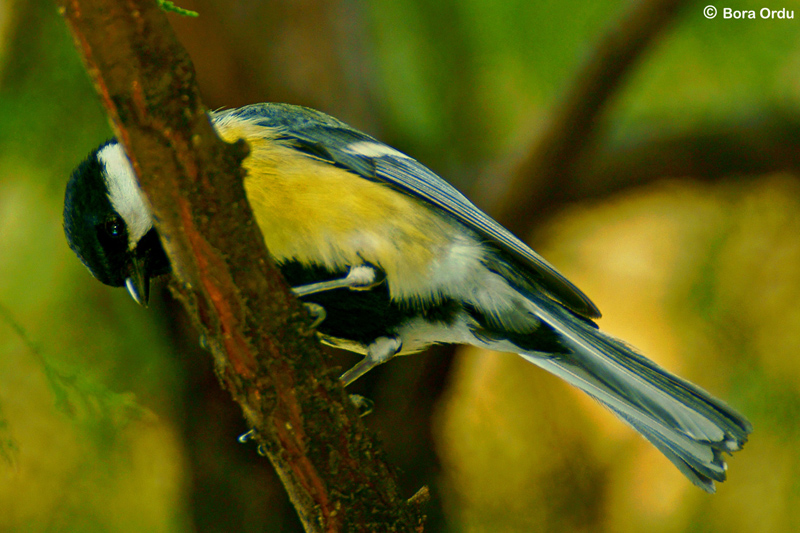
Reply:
x=265, y=353
x=549, y=165
x=745, y=148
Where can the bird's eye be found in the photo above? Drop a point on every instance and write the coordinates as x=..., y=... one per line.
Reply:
x=114, y=227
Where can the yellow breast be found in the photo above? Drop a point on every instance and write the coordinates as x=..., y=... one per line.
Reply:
x=320, y=214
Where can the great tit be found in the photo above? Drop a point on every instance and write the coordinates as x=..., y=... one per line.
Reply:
x=396, y=260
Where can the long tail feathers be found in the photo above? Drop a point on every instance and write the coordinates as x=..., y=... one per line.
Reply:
x=684, y=422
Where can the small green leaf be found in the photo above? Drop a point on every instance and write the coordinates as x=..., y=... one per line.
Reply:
x=168, y=6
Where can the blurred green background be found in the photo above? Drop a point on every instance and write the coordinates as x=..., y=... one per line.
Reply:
x=681, y=221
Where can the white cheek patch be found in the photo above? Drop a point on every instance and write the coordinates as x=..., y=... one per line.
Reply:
x=124, y=193
x=374, y=149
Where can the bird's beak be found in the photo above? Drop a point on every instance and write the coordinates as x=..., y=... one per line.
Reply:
x=138, y=284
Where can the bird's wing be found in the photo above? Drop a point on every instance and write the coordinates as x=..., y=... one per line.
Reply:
x=324, y=137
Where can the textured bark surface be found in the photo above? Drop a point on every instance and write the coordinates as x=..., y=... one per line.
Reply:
x=265, y=353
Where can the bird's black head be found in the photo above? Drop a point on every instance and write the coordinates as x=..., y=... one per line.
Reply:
x=109, y=225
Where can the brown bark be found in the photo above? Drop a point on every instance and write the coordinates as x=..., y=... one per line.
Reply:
x=265, y=353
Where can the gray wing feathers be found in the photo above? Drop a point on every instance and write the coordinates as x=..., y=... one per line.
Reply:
x=419, y=180
x=326, y=138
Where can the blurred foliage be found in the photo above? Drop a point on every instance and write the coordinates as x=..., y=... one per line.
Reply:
x=705, y=280
x=111, y=418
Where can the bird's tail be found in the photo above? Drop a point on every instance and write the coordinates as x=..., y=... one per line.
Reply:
x=684, y=422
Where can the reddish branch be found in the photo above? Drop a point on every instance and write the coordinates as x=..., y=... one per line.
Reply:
x=265, y=353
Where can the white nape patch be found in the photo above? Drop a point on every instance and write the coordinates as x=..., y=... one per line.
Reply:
x=374, y=149
x=124, y=192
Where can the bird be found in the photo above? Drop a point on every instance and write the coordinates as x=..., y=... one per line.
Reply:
x=392, y=259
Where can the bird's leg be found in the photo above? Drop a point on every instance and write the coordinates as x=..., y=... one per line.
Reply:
x=359, y=278
x=317, y=312
x=381, y=350
x=364, y=405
